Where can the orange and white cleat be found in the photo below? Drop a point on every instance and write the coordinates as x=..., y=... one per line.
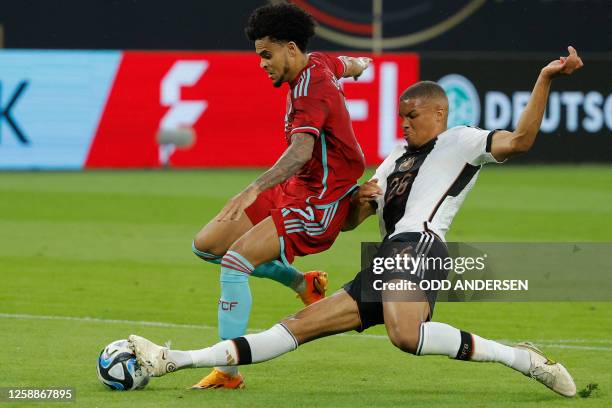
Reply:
x=316, y=285
x=218, y=379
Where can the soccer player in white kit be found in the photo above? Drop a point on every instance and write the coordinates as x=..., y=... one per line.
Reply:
x=416, y=192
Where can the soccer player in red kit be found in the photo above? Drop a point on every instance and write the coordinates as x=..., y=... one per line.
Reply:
x=298, y=206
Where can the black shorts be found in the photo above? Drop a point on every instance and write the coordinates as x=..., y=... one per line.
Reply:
x=369, y=301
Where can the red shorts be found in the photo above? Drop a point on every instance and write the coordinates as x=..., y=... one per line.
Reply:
x=302, y=229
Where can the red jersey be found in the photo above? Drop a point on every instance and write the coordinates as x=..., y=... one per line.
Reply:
x=316, y=105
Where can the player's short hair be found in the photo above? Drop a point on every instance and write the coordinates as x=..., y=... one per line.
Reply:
x=424, y=89
x=282, y=22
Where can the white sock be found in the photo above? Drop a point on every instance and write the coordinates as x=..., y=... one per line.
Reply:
x=252, y=348
x=489, y=350
x=269, y=344
x=442, y=339
x=182, y=359
x=438, y=339
x=221, y=354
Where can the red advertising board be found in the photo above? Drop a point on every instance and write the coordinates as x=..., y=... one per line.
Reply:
x=235, y=112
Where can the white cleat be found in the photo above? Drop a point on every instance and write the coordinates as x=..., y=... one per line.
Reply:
x=153, y=358
x=548, y=372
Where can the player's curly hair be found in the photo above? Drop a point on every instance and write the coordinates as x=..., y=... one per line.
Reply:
x=281, y=22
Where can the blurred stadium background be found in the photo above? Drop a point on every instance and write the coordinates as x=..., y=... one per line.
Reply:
x=118, y=98
x=90, y=256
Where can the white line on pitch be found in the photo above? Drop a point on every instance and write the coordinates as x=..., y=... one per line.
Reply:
x=548, y=343
x=99, y=320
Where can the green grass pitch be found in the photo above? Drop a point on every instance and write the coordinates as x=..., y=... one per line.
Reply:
x=115, y=247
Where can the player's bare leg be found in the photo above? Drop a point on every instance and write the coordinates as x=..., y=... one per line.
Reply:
x=215, y=238
x=403, y=319
x=409, y=330
x=259, y=244
x=335, y=314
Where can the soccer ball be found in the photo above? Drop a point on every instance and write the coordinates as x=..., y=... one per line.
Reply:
x=118, y=368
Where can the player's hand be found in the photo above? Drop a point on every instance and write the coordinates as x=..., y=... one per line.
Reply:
x=564, y=65
x=368, y=191
x=363, y=63
x=234, y=208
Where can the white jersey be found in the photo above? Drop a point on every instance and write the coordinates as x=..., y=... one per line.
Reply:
x=423, y=188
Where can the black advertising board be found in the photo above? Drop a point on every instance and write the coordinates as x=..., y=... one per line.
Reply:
x=415, y=25
x=491, y=91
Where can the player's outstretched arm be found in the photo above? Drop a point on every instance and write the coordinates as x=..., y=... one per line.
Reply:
x=507, y=144
x=296, y=155
x=362, y=204
x=355, y=66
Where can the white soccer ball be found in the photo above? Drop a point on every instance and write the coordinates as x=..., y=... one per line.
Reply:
x=118, y=368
